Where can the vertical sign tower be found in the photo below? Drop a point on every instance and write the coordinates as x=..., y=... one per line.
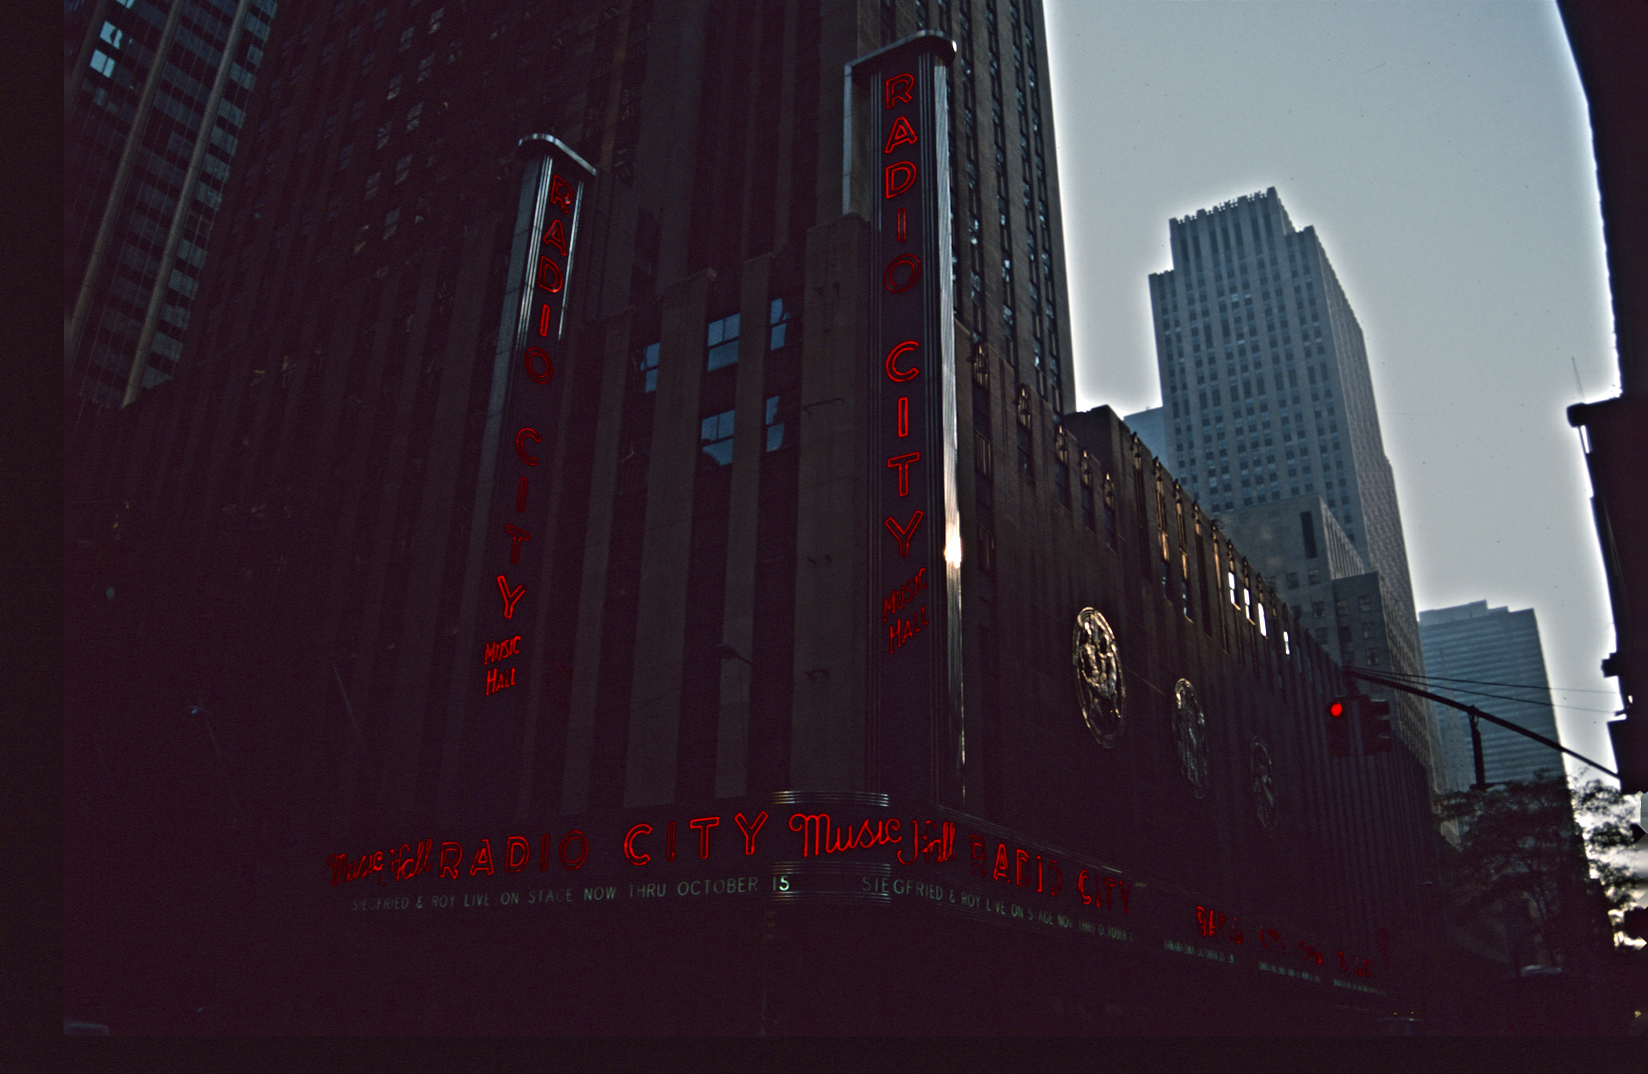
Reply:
x=915, y=726
x=552, y=197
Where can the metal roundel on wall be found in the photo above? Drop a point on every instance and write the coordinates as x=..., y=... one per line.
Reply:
x=1098, y=677
x=1190, y=737
x=1264, y=784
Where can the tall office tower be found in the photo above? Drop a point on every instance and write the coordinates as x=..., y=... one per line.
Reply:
x=1265, y=377
x=155, y=94
x=1491, y=658
x=595, y=531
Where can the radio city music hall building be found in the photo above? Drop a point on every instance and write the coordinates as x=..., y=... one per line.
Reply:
x=620, y=555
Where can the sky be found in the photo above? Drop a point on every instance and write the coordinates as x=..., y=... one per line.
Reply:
x=1443, y=153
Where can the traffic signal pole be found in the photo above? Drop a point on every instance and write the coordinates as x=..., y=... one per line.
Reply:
x=1475, y=715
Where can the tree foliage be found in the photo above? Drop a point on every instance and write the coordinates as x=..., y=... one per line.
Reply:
x=1539, y=844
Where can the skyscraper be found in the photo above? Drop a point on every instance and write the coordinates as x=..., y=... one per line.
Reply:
x=155, y=94
x=1299, y=466
x=1491, y=658
x=1264, y=375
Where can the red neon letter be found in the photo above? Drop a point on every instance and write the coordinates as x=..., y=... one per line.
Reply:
x=909, y=261
x=901, y=534
x=583, y=849
x=902, y=226
x=900, y=134
x=898, y=88
x=543, y=852
x=749, y=830
x=483, y=859
x=704, y=824
x=1000, y=872
x=527, y=434
x=516, y=536
x=549, y=274
x=560, y=193
x=902, y=464
x=543, y=320
x=895, y=180
x=894, y=373
x=520, y=496
x=537, y=358
x=450, y=868
x=556, y=236
x=520, y=844
x=510, y=598
x=635, y=857
x=1022, y=858
x=903, y=417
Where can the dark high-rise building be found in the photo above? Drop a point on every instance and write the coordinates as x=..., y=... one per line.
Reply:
x=618, y=555
x=1252, y=325
x=1265, y=379
x=155, y=97
x=1492, y=658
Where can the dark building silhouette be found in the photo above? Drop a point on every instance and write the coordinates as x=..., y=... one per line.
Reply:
x=616, y=580
x=155, y=98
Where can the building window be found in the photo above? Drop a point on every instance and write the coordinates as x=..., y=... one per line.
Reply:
x=982, y=460
x=1027, y=461
x=648, y=366
x=1317, y=610
x=722, y=341
x=1367, y=630
x=1061, y=469
x=1110, y=527
x=986, y=549
x=1373, y=658
x=1342, y=607
x=1364, y=603
x=1292, y=579
x=403, y=167
x=783, y=323
x=1313, y=577
x=775, y=428
x=715, y=436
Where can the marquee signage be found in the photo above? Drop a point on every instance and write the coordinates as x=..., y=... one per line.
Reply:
x=914, y=613
x=552, y=198
x=830, y=848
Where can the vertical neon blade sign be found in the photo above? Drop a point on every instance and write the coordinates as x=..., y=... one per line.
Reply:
x=915, y=700
x=558, y=176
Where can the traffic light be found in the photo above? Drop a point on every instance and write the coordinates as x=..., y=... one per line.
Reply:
x=1374, y=718
x=1341, y=726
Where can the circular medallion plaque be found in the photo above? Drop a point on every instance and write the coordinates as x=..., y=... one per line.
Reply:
x=1098, y=677
x=1190, y=736
x=1264, y=784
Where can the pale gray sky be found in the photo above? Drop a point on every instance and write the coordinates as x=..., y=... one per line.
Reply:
x=1443, y=154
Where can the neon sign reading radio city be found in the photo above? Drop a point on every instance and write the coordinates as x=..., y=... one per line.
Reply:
x=653, y=845
x=541, y=321
x=900, y=365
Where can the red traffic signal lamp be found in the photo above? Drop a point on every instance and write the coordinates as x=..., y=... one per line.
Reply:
x=1341, y=727
x=1358, y=726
